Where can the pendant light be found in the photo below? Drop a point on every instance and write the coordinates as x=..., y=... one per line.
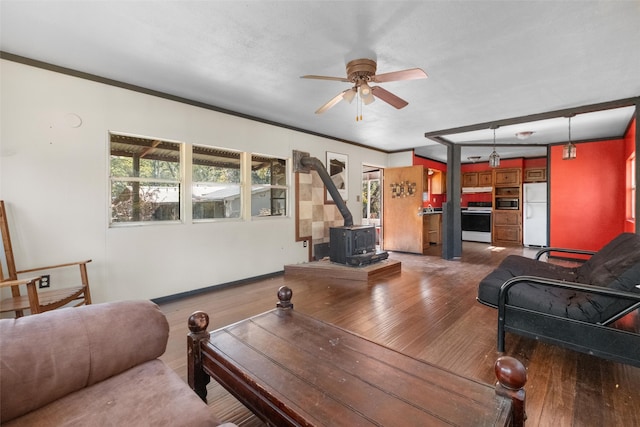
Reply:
x=494, y=158
x=569, y=150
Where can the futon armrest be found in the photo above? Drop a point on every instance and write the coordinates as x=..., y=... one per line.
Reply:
x=564, y=250
x=69, y=264
x=580, y=287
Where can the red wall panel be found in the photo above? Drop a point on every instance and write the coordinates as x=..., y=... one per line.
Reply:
x=630, y=149
x=587, y=195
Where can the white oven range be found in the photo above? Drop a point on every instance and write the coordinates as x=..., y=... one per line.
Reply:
x=476, y=222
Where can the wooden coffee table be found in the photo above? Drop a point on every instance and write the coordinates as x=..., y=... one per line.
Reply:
x=293, y=370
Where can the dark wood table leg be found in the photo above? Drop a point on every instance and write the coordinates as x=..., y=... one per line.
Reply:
x=196, y=377
x=512, y=377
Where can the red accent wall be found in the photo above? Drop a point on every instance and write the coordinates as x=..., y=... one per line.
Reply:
x=536, y=162
x=587, y=195
x=629, y=150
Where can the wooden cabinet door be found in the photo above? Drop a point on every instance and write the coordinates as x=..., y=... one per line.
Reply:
x=402, y=221
x=506, y=217
x=485, y=179
x=535, y=174
x=438, y=183
x=507, y=227
x=507, y=176
x=470, y=179
x=507, y=235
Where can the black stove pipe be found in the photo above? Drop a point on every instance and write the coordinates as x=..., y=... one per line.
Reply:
x=314, y=163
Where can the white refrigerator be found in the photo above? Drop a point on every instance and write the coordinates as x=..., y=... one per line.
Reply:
x=534, y=214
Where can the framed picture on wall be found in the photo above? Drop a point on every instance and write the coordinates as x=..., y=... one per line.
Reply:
x=337, y=167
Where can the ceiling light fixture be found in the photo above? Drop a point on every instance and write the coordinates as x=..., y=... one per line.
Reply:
x=494, y=158
x=524, y=134
x=474, y=158
x=365, y=90
x=349, y=94
x=569, y=150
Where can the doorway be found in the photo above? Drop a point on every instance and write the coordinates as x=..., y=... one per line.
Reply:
x=372, y=199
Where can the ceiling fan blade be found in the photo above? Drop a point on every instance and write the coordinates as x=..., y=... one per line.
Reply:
x=338, y=79
x=394, y=76
x=332, y=102
x=388, y=97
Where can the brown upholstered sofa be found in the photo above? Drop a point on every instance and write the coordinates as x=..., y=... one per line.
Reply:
x=95, y=365
x=575, y=307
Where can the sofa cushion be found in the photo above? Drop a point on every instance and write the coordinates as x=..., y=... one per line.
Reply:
x=515, y=265
x=150, y=394
x=47, y=356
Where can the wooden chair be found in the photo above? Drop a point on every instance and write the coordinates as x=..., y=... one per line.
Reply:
x=36, y=300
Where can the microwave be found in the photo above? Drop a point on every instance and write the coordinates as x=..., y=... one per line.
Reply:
x=507, y=203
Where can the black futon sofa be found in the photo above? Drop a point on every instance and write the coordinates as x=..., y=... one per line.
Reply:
x=574, y=307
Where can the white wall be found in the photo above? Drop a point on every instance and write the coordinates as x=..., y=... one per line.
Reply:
x=54, y=180
x=400, y=159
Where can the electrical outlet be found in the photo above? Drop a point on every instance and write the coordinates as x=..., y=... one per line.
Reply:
x=304, y=244
x=45, y=281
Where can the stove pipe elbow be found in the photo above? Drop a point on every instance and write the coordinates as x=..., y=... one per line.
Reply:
x=316, y=164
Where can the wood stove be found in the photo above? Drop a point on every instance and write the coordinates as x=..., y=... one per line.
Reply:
x=350, y=244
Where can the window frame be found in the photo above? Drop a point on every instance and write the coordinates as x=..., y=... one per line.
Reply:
x=180, y=182
x=286, y=187
x=193, y=183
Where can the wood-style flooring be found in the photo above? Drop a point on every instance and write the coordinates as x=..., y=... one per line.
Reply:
x=427, y=311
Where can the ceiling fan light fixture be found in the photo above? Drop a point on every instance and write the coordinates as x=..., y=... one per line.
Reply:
x=365, y=90
x=349, y=95
x=368, y=99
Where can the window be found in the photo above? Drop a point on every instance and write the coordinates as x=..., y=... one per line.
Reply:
x=216, y=191
x=145, y=178
x=371, y=199
x=269, y=186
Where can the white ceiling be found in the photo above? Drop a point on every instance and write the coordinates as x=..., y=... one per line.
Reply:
x=487, y=61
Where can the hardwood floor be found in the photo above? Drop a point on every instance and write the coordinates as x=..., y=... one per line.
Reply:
x=427, y=311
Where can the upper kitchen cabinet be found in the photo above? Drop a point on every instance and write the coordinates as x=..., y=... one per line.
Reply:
x=506, y=177
x=485, y=179
x=535, y=175
x=477, y=179
x=438, y=181
x=470, y=179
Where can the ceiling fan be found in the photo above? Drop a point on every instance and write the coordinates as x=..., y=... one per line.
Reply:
x=362, y=72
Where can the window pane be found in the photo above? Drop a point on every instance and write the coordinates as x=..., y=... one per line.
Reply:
x=269, y=191
x=144, y=158
x=216, y=183
x=216, y=201
x=133, y=201
x=215, y=165
x=268, y=170
x=145, y=179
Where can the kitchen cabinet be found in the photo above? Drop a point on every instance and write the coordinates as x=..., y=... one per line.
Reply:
x=470, y=179
x=477, y=179
x=507, y=176
x=432, y=229
x=438, y=182
x=535, y=175
x=485, y=179
x=507, y=207
x=507, y=227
